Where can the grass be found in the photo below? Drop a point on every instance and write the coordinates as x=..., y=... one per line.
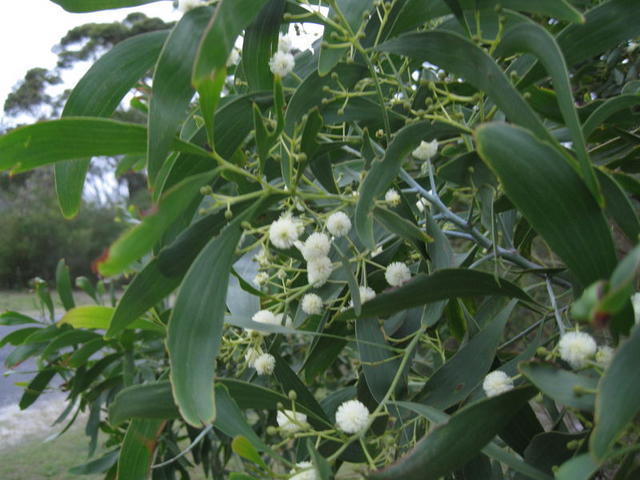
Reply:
x=25, y=301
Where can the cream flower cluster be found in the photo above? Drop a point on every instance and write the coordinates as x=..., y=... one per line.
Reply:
x=185, y=5
x=397, y=274
x=290, y=421
x=366, y=294
x=303, y=471
x=352, y=416
x=496, y=382
x=577, y=348
x=312, y=304
x=262, y=363
x=282, y=62
x=426, y=150
x=392, y=197
x=284, y=232
x=338, y=224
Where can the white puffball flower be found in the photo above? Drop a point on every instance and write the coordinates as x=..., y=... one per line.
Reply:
x=285, y=231
x=318, y=271
x=392, y=197
x=285, y=43
x=397, y=273
x=307, y=473
x=290, y=421
x=312, y=304
x=635, y=300
x=352, y=416
x=265, y=316
x=604, y=355
x=496, y=382
x=338, y=224
x=261, y=279
x=250, y=356
x=282, y=63
x=576, y=348
x=264, y=364
x=282, y=320
x=185, y=5
x=366, y=294
x=316, y=246
x=426, y=150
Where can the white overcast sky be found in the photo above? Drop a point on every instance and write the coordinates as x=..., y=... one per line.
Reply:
x=30, y=28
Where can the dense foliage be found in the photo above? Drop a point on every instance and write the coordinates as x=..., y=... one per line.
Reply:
x=408, y=253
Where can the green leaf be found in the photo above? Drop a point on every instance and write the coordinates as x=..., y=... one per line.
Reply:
x=461, y=438
x=320, y=464
x=462, y=373
x=139, y=240
x=463, y=58
x=36, y=387
x=606, y=109
x=552, y=197
x=152, y=400
x=99, y=317
x=260, y=41
x=138, y=448
x=82, y=355
x=383, y=172
x=17, y=337
x=99, y=465
x=549, y=449
x=43, y=143
x=98, y=94
x=79, y=6
x=231, y=420
x=63, y=285
x=67, y=339
x=378, y=365
x=354, y=12
x=617, y=397
x=22, y=352
x=581, y=466
x=242, y=447
x=619, y=206
x=15, y=318
x=559, y=384
x=443, y=284
x=531, y=38
x=229, y=20
x=172, y=91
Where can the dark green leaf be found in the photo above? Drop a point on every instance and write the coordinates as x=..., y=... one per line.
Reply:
x=93, y=5
x=152, y=400
x=552, y=197
x=581, y=466
x=36, y=387
x=461, y=438
x=138, y=448
x=63, y=285
x=99, y=465
x=607, y=109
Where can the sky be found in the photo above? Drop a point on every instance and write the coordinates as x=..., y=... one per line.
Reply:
x=30, y=28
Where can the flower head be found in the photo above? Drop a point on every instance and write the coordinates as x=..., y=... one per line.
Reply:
x=392, y=197
x=397, y=273
x=265, y=316
x=261, y=279
x=250, y=356
x=338, y=224
x=604, y=355
x=366, y=294
x=285, y=231
x=316, y=246
x=305, y=471
x=352, y=416
x=496, y=382
x=264, y=364
x=312, y=304
x=420, y=204
x=282, y=63
x=285, y=43
x=318, y=271
x=426, y=150
x=576, y=348
x=290, y=421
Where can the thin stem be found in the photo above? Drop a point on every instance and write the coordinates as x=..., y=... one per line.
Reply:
x=195, y=442
x=554, y=305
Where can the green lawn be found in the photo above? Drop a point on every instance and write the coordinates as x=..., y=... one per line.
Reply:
x=25, y=301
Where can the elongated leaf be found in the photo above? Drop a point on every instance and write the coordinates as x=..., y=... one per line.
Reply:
x=491, y=450
x=606, y=109
x=383, y=172
x=136, y=242
x=459, y=439
x=619, y=206
x=36, y=387
x=138, y=448
x=463, y=58
x=172, y=91
x=552, y=197
x=149, y=400
x=616, y=399
x=549, y=449
x=232, y=421
x=63, y=285
x=378, y=366
x=605, y=27
x=93, y=5
x=532, y=38
x=66, y=339
x=100, y=318
x=462, y=373
x=98, y=94
x=260, y=41
x=559, y=384
x=15, y=318
x=43, y=143
x=443, y=284
x=99, y=465
x=228, y=21
x=582, y=466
